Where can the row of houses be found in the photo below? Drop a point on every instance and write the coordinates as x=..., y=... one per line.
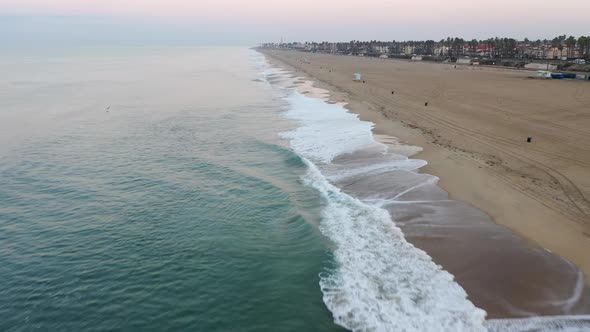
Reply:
x=492, y=48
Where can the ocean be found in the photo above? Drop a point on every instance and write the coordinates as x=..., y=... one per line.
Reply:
x=148, y=189
x=204, y=189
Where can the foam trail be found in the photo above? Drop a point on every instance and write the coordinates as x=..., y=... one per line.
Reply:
x=407, y=164
x=382, y=282
x=431, y=181
x=576, y=292
x=541, y=324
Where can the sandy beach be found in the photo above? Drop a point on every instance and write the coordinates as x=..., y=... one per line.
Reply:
x=474, y=132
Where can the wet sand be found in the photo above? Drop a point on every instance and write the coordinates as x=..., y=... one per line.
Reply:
x=502, y=273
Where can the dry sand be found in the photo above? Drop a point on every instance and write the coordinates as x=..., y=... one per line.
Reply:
x=474, y=133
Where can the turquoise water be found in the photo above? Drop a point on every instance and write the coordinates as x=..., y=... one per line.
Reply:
x=148, y=190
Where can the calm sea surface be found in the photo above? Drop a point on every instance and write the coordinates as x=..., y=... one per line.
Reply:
x=148, y=190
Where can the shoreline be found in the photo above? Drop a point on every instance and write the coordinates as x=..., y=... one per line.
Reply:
x=538, y=270
x=462, y=168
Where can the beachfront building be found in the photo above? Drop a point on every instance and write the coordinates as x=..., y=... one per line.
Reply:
x=380, y=49
x=333, y=47
x=487, y=51
x=409, y=49
x=441, y=50
x=562, y=52
x=534, y=52
x=553, y=53
x=483, y=50
x=573, y=52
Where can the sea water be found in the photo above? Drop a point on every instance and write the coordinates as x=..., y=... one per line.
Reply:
x=150, y=189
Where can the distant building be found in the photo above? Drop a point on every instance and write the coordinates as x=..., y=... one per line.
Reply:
x=554, y=53
x=483, y=50
x=300, y=46
x=534, y=52
x=441, y=50
x=333, y=47
x=409, y=50
x=381, y=49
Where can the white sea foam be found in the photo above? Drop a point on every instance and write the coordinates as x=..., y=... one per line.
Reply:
x=541, y=324
x=327, y=130
x=382, y=282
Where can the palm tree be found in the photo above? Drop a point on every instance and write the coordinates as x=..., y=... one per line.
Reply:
x=571, y=43
x=556, y=43
x=584, y=45
x=473, y=46
x=429, y=46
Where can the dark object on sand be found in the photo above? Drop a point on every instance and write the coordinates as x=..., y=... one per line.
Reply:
x=392, y=92
x=426, y=104
x=557, y=76
x=529, y=139
x=363, y=81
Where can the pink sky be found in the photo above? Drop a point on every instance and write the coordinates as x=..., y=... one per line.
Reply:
x=293, y=10
x=340, y=19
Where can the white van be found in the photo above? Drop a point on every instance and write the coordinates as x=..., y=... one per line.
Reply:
x=543, y=74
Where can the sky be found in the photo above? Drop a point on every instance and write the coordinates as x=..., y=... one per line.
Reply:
x=249, y=22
